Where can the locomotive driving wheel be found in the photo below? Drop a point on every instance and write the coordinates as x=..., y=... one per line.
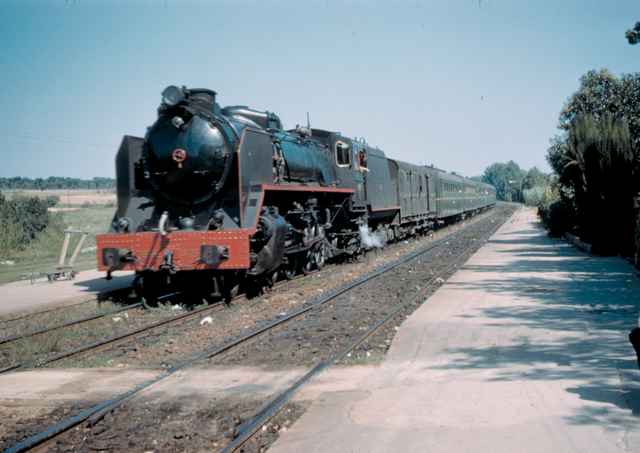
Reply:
x=306, y=262
x=289, y=268
x=319, y=255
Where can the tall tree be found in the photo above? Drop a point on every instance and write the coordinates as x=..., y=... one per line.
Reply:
x=534, y=178
x=506, y=178
x=597, y=166
x=602, y=94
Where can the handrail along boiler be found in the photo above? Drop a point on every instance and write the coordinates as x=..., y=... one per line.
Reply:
x=216, y=198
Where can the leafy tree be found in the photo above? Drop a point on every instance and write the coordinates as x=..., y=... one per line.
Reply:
x=507, y=178
x=633, y=35
x=597, y=158
x=535, y=178
x=597, y=167
x=602, y=94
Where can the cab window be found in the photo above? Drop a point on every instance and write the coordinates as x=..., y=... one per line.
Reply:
x=362, y=159
x=343, y=154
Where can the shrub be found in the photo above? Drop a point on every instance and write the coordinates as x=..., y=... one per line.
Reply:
x=597, y=159
x=558, y=217
x=597, y=164
x=534, y=196
x=52, y=200
x=21, y=220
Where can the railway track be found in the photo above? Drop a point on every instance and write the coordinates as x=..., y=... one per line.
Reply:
x=116, y=339
x=97, y=298
x=247, y=430
x=108, y=342
x=95, y=413
x=100, y=345
x=68, y=324
x=75, y=322
x=43, y=312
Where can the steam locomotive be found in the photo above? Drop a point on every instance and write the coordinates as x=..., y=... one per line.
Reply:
x=216, y=199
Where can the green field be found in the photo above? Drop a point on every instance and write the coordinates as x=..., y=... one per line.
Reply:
x=42, y=254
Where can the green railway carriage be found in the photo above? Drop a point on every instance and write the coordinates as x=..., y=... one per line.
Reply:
x=423, y=194
x=456, y=195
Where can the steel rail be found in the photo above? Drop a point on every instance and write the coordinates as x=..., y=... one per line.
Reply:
x=95, y=413
x=108, y=341
x=96, y=298
x=99, y=410
x=99, y=344
x=269, y=410
x=68, y=324
x=273, y=407
x=42, y=312
x=117, y=338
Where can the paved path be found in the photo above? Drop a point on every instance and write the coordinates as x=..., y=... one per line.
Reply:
x=23, y=296
x=523, y=350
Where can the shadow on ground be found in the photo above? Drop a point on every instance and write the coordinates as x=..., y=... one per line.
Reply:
x=588, y=305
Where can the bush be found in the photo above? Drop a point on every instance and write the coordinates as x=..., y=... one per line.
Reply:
x=10, y=237
x=597, y=159
x=21, y=220
x=556, y=211
x=598, y=165
x=558, y=217
x=52, y=200
x=534, y=196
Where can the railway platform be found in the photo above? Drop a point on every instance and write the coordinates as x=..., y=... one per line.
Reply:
x=24, y=297
x=524, y=349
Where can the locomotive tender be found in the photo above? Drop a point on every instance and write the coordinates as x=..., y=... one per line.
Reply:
x=213, y=198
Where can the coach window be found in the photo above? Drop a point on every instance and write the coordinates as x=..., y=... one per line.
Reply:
x=343, y=154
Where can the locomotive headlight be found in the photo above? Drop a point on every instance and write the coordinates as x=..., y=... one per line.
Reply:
x=172, y=95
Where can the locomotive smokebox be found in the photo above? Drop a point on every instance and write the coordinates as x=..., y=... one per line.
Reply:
x=188, y=151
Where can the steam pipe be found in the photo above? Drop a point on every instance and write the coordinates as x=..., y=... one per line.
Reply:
x=163, y=223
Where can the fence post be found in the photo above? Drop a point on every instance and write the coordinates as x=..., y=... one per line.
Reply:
x=65, y=247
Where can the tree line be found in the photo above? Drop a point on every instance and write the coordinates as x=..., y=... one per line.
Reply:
x=596, y=162
x=56, y=182
x=513, y=183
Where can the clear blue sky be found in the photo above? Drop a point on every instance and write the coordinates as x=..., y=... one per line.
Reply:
x=459, y=83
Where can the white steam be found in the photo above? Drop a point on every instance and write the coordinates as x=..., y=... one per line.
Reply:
x=370, y=240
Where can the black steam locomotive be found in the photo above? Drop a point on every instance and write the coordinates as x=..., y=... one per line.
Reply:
x=214, y=198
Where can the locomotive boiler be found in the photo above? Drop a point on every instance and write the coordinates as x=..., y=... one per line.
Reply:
x=215, y=199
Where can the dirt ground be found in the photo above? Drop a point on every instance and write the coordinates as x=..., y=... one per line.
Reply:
x=205, y=425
